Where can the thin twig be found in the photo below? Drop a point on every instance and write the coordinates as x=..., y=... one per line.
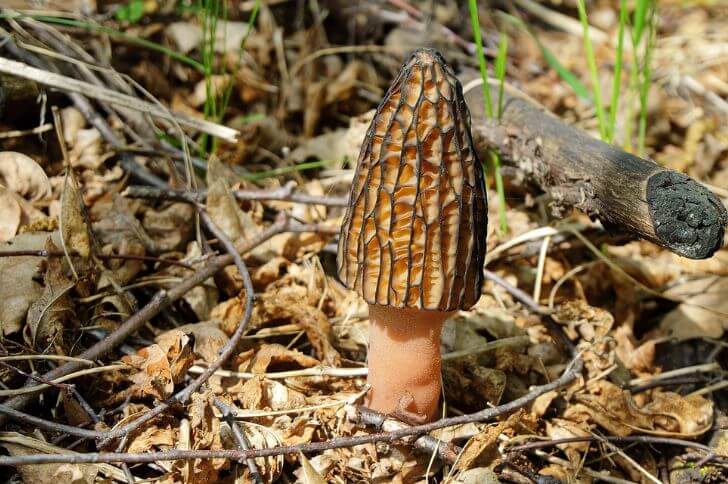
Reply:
x=161, y=300
x=225, y=352
x=47, y=253
x=47, y=425
x=557, y=333
x=427, y=443
x=643, y=439
x=569, y=375
x=72, y=85
x=240, y=438
x=55, y=381
x=284, y=193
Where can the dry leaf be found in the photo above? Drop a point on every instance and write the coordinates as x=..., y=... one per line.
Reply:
x=74, y=229
x=478, y=475
x=177, y=346
x=52, y=312
x=280, y=305
x=270, y=355
x=482, y=449
x=338, y=145
x=10, y=215
x=53, y=473
x=187, y=36
x=171, y=227
x=704, y=314
x=158, y=367
x=205, y=436
x=209, y=339
x=666, y=414
x=152, y=437
x=19, y=173
x=20, y=287
x=308, y=474
x=153, y=376
x=558, y=428
x=221, y=205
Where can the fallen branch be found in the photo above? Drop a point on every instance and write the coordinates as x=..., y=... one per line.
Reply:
x=58, y=253
x=643, y=439
x=446, y=451
x=625, y=192
x=284, y=193
x=570, y=374
x=71, y=85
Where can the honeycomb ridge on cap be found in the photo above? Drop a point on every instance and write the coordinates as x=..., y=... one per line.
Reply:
x=414, y=233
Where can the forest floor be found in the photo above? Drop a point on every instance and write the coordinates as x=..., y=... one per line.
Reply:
x=126, y=309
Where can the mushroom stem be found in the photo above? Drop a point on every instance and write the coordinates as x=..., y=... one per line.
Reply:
x=404, y=361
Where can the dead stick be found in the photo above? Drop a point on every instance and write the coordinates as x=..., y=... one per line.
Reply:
x=570, y=374
x=47, y=253
x=625, y=192
x=284, y=193
x=446, y=451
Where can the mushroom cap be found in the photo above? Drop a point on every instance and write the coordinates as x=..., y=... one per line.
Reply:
x=414, y=232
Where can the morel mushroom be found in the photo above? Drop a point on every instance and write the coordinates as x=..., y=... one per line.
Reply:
x=413, y=239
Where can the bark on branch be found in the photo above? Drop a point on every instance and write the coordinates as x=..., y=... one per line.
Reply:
x=623, y=191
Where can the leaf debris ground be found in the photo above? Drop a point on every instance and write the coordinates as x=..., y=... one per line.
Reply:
x=649, y=325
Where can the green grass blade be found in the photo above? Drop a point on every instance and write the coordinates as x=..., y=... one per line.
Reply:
x=488, y=106
x=594, y=73
x=640, y=15
x=646, y=77
x=617, y=80
x=487, y=101
x=565, y=74
x=500, y=74
x=251, y=23
x=500, y=70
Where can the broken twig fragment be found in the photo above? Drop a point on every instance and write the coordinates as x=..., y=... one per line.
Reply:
x=625, y=192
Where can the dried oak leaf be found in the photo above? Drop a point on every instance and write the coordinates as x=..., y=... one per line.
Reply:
x=260, y=393
x=259, y=437
x=666, y=414
x=308, y=474
x=638, y=358
x=209, y=339
x=159, y=366
x=558, y=428
x=230, y=312
x=277, y=356
x=177, y=346
x=153, y=376
x=482, y=449
x=281, y=305
x=205, y=428
x=169, y=228
x=587, y=322
x=152, y=437
x=202, y=298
